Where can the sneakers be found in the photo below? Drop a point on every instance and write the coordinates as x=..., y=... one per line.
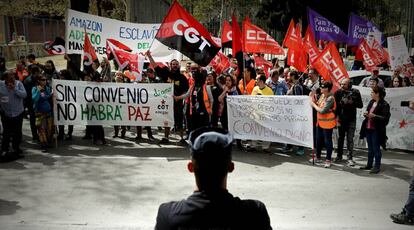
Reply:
x=402, y=218
x=286, y=149
x=182, y=142
x=338, y=159
x=366, y=168
x=374, y=170
x=300, y=152
x=317, y=161
x=350, y=163
x=164, y=141
x=327, y=164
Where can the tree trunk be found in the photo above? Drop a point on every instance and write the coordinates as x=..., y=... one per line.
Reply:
x=82, y=6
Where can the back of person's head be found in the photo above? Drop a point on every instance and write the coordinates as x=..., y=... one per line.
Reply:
x=34, y=70
x=65, y=74
x=210, y=157
x=31, y=57
x=294, y=75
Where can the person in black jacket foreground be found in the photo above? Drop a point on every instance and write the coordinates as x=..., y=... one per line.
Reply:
x=211, y=206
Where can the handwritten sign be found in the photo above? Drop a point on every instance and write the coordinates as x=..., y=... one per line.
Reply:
x=400, y=129
x=398, y=51
x=93, y=103
x=285, y=119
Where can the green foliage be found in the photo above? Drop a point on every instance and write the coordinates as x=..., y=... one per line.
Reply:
x=16, y=8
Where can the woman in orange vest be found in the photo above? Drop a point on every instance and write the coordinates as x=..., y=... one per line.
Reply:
x=326, y=122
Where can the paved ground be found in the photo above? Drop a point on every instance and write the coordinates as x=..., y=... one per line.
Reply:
x=119, y=186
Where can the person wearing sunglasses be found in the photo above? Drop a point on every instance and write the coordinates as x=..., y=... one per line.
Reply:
x=41, y=95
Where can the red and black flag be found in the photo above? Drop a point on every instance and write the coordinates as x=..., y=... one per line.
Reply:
x=180, y=31
x=237, y=47
x=226, y=35
x=117, y=44
x=89, y=54
x=55, y=47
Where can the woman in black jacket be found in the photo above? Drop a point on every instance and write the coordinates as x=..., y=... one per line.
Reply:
x=373, y=128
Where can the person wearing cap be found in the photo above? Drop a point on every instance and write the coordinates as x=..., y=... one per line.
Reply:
x=211, y=206
x=366, y=81
x=326, y=122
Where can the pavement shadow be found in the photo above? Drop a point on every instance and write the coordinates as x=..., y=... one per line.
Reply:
x=276, y=157
x=8, y=207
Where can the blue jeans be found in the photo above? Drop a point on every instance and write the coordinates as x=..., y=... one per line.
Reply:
x=324, y=137
x=409, y=205
x=374, y=150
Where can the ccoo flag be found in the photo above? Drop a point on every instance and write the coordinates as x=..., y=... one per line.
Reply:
x=180, y=31
x=323, y=29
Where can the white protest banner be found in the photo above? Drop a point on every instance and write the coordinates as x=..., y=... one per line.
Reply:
x=284, y=119
x=136, y=36
x=101, y=103
x=400, y=129
x=398, y=51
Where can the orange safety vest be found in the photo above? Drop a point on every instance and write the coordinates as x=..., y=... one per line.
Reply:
x=205, y=99
x=327, y=120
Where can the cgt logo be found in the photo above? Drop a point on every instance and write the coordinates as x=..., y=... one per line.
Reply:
x=181, y=28
x=163, y=106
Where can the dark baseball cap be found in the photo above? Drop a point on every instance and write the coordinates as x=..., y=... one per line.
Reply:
x=210, y=143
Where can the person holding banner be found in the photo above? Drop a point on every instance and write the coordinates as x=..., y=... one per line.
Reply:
x=261, y=89
x=211, y=206
x=181, y=87
x=248, y=77
x=373, y=128
x=229, y=89
x=326, y=122
x=42, y=107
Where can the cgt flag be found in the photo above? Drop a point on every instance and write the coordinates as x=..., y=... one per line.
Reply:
x=89, y=54
x=55, y=47
x=256, y=40
x=180, y=31
x=226, y=35
x=329, y=64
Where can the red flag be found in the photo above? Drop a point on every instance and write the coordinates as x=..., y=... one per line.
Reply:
x=220, y=63
x=309, y=45
x=89, y=54
x=124, y=59
x=237, y=46
x=329, y=64
x=256, y=40
x=226, y=35
x=261, y=62
x=379, y=52
x=292, y=40
x=236, y=37
x=297, y=59
x=117, y=44
x=180, y=31
x=370, y=62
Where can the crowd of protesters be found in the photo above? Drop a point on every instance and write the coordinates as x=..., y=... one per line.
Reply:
x=200, y=100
